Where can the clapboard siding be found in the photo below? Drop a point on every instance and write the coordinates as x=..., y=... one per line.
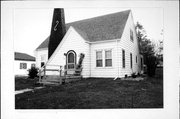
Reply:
x=104, y=71
x=38, y=54
x=23, y=72
x=74, y=41
x=129, y=47
x=71, y=41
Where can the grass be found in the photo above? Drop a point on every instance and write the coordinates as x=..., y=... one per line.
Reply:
x=96, y=94
x=23, y=82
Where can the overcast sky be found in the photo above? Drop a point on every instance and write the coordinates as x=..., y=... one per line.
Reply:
x=32, y=26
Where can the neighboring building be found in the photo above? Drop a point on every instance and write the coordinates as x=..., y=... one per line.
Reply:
x=109, y=43
x=22, y=63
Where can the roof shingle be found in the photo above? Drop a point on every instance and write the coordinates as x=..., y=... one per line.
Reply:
x=23, y=56
x=107, y=27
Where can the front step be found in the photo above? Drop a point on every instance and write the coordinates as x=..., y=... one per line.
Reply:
x=56, y=80
x=51, y=80
x=72, y=78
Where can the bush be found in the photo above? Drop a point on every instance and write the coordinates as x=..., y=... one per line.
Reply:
x=151, y=65
x=33, y=72
x=133, y=75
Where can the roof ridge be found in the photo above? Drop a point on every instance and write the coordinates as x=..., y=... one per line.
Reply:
x=98, y=16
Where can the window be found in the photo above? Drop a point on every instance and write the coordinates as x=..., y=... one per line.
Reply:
x=123, y=58
x=99, y=59
x=108, y=58
x=23, y=66
x=136, y=59
x=131, y=59
x=33, y=65
x=71, y=60
x=131, y=35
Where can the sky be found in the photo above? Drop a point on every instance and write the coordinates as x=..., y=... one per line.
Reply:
x=32, y=26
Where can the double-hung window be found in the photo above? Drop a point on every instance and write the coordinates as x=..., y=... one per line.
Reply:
x=108, y=58
x=99, y=61
x=33, y=65
x=23, y=66
x=123, y=58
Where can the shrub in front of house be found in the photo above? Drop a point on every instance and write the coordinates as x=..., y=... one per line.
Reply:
x=133, y=75
x=33, y=72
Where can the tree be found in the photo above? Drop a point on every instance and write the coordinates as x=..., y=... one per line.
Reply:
x=146, y=48
x=159, y=51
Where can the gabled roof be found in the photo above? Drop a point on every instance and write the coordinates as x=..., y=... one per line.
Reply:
x=107, y=27
x=23, y=56
x=44, y=44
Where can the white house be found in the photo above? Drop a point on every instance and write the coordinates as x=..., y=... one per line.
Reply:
x=108, y=42
x=22, y=63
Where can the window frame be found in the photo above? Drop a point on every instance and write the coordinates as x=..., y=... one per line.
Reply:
x=33, y=65
x=99, y=59
x=123, y=59
x=105, y=59
x=23, y=65
x=69, y=63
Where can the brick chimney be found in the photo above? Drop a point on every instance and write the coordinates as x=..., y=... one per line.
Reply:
x=58, y=30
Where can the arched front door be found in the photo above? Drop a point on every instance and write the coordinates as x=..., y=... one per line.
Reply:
x=71, y=59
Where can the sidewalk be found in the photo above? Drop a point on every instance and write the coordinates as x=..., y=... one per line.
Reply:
x=27, y=90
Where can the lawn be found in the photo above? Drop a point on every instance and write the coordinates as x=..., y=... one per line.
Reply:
x=96, y=94
x=23, y=82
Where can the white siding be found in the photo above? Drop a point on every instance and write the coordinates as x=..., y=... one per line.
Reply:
x=72, y=41
x=38, y=54
x=129, y=47
x=23, y=72
x=104, y=71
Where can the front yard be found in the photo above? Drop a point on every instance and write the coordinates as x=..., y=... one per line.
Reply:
x=96, y=94
x=23, y=82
